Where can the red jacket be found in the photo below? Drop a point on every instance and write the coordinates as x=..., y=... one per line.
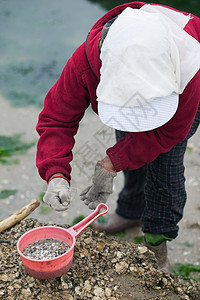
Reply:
x=67, y=100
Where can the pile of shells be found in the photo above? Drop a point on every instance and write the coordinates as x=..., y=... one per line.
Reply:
x=103, y=268
x=45, y=249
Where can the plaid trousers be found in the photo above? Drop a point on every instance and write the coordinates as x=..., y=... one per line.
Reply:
x=156, y=192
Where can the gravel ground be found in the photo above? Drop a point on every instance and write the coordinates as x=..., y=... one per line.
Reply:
x=91, y=143
x=103, y=268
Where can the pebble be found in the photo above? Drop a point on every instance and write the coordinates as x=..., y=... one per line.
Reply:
x=99, y=292
x=7, y=277
x=87, y=286
x=121, y=267
x=78, y=290
x=45, y=249
x=119, y=254
x=179, y=290
x=108, y=292
x=142, y=249
x=133, y=269
x=26, y=292
x=65, y=286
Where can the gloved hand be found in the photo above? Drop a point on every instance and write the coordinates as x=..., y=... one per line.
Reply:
x=101, y=188
x=58, y=195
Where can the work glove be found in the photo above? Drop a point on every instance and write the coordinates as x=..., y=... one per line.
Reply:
x=58, y=195
x=101, y=188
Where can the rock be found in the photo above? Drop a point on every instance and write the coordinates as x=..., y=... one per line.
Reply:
x=7, y=277
x=185, y=297
x=100, y=246
x=17, y=286
x=121, y=267
x=78, y=290
x=65, y=286
x=133, y=269
x=165, y=282
x=179, y=290
x=66, y=296
x=87, y=286
x=99, y=292
x=26, y=293
x=142, y=249
x=88, y=241
x=108, y=292
x=119, y=254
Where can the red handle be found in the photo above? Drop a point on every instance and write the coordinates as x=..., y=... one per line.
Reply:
x=101, y=209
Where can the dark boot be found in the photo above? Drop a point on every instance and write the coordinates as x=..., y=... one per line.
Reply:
x=115, y=223
x=160, y=252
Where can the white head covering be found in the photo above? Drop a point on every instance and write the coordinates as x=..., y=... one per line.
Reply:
x=144, y=68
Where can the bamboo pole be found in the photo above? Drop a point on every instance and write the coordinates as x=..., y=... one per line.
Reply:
x=19, y=215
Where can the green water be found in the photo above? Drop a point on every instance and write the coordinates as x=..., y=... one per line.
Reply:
x=37, y=38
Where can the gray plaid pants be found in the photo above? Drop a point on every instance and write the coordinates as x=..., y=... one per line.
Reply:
x=156, y=192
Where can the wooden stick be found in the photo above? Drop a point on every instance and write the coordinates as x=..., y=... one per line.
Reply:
x=19, y=215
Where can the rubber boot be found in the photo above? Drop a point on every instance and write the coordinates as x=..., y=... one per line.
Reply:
x=115, y=223
x=160, y=252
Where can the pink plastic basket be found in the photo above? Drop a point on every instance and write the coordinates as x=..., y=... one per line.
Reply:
x=52, y=268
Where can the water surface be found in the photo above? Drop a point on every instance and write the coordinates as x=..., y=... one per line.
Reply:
x=36, y=39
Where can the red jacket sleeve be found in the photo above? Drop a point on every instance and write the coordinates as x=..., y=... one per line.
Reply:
x=64, y=107
x=138, y=149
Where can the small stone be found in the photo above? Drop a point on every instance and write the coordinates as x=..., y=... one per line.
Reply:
x=142, y=249
x=108, y=292
x=67, y=296
x=78, y=290
x=119, y=254
x=88, y=241
x=99, y=292
x=4, y=277
x=100, y=246
x=87, y=286
x=121, y=267
x=7, y=277
x=26, y=292
x=17, y=286
x=133, y=269
x=65, y=286
x=157, y=288
x=179, y=290
x=185, y=297
x=164, y=280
